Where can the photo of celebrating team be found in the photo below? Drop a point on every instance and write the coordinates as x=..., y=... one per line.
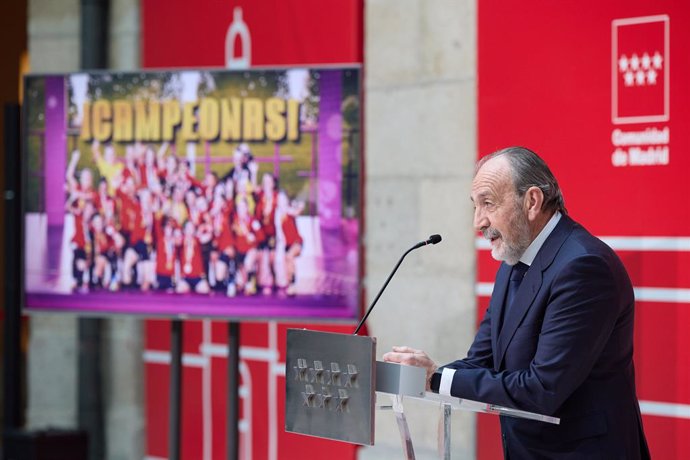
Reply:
x=149, y=223
x=196, y=192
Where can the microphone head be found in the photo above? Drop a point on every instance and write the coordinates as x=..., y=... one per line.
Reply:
x=434, y=239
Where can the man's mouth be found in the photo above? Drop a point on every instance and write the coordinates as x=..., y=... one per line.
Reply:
x=492, y=236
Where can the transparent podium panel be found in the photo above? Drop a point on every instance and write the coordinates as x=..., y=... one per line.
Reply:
x=485, y=408
x=446, y=406
x=407, y=379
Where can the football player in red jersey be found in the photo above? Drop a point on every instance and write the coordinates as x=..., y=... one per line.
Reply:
x=209, y=185
x=185, y=177
x=82, y=189
x=193, y=277
x=139, y=255
x=223, y=254
x=106, y=207
x=166, y=166
x=131, y=229
x=266, y=235
x=103, y=252
x=80, y=203
x=132, y=165
x=286, y=214
x=245, y=191
x=199, y=214
x=81, y=212
x=245, y=245
x=166, y=253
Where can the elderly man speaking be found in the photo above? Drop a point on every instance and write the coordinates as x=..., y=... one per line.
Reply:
x=557, y=337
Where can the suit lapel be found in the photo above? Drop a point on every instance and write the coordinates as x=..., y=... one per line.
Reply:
x=513, y=317
x=497, y=304
x=528, y=288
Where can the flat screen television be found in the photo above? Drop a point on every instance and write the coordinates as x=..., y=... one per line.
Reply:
x=199, y=193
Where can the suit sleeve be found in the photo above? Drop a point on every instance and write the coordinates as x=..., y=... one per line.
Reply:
x=580, y=315
x=480, y=354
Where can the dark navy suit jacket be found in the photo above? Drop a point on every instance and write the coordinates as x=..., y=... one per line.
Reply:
x=565, y=348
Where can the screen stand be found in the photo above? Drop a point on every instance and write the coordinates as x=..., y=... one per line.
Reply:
x=175, y=389
x=12, y=351
x=233, y=390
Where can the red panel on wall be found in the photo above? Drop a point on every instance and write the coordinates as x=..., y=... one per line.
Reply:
x=599, y=90
x=185, y=33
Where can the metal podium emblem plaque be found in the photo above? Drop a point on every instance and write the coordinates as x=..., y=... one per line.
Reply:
x=329, y=385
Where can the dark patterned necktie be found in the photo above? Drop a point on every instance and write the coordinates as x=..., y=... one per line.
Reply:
x=516, y=276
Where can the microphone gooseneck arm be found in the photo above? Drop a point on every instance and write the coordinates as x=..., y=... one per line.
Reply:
x=432, y=240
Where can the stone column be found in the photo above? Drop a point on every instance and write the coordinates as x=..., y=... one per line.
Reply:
x=420, y=58
x=52, y=357
x=123, y=337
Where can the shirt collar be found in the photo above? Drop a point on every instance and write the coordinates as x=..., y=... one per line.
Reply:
x=534, y=247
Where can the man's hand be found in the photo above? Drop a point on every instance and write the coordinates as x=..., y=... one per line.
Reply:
x=411, y=357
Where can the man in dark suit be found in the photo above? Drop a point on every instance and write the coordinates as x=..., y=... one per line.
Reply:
x=557, y=337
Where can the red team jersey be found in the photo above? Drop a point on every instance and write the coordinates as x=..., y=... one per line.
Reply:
x=102, y=243
x=131, y=172
x=166, y=252
x=289, y=226
x=84, y=195
x=265, y=213
x=224, y=238
x=244, y=235
x=79, y=237
x=128, y=211
x=190, y=258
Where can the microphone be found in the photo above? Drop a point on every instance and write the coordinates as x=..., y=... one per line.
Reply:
x=433, y=239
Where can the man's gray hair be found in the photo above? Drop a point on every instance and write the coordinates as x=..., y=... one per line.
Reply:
x=529, y=170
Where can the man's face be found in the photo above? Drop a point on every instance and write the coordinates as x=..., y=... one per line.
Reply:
x=498, y=213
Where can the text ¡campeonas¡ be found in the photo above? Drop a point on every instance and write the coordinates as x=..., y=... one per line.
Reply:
x=230, y=119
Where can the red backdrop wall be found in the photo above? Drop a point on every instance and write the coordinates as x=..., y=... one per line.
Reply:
x=185, y=33
x=553, y=76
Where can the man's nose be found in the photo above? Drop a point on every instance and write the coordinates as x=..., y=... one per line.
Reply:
x=480, y=221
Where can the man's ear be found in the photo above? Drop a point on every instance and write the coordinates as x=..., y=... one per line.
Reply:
x=534, y=199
